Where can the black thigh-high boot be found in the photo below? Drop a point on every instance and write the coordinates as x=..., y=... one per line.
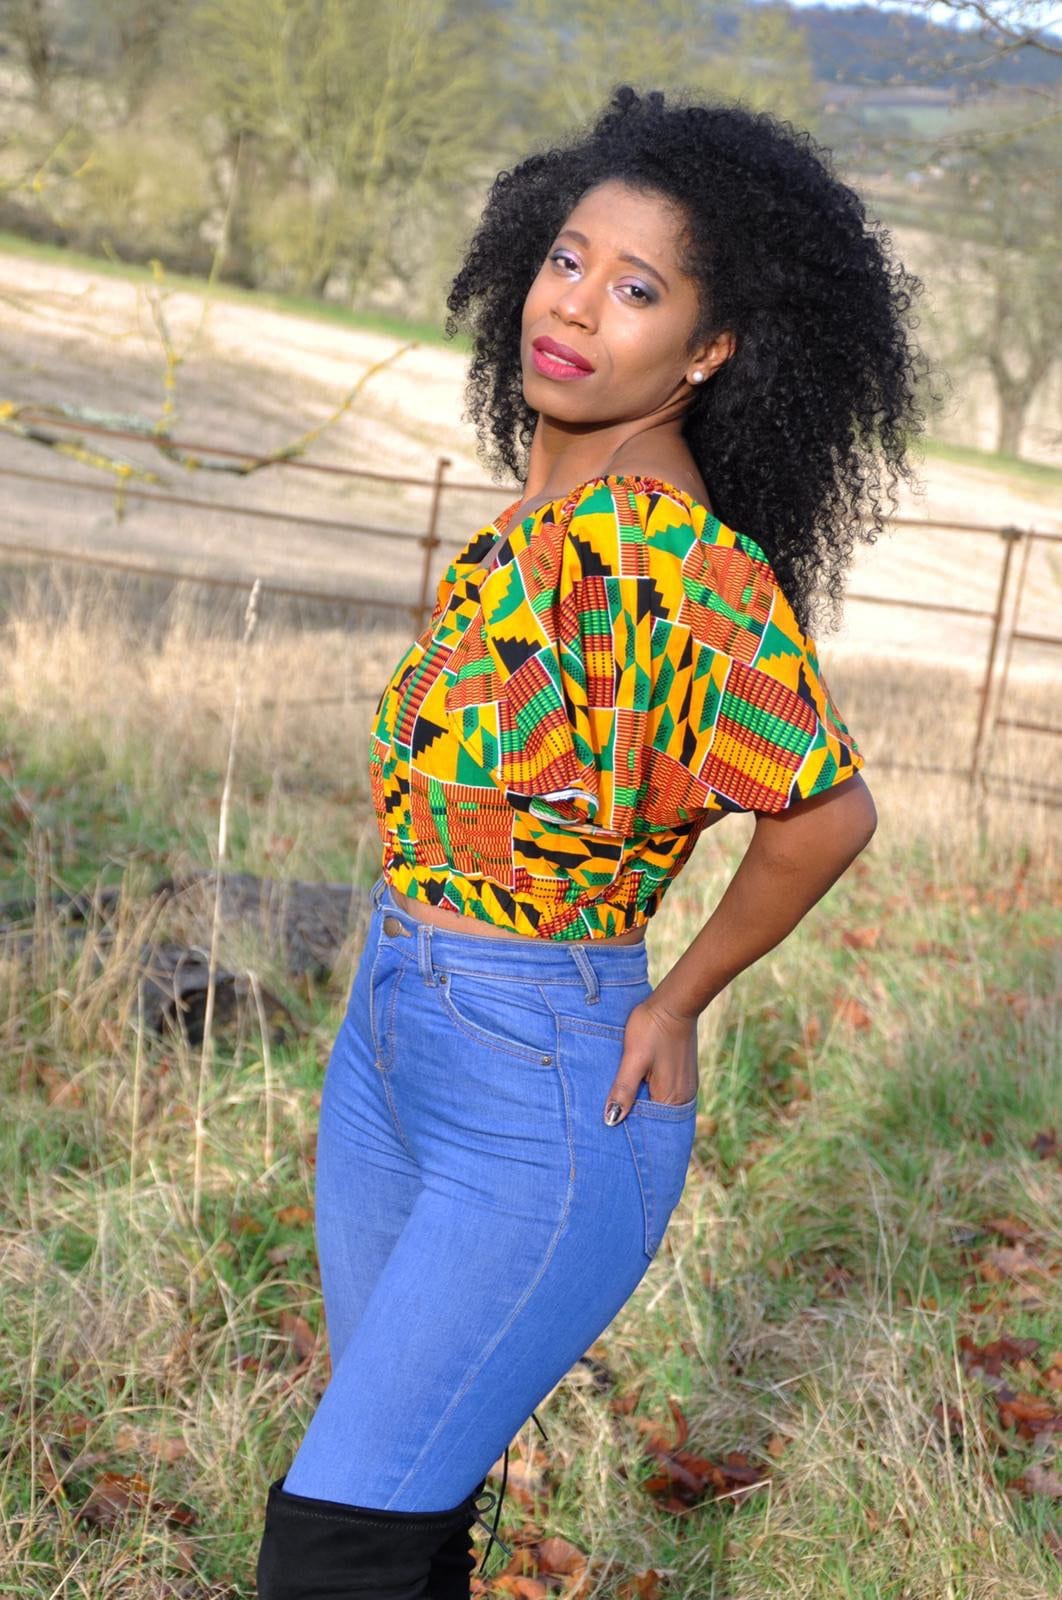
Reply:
x=454, y=1562
x=323, y=1550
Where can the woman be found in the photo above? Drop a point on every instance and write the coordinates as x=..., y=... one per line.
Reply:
x=691, y=347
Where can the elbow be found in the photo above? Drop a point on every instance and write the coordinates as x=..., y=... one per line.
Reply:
x=865, y=820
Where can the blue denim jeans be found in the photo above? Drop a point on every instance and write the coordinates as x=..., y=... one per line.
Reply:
x=478, y=1223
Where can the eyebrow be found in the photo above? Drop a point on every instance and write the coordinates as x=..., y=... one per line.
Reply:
x=635, y=260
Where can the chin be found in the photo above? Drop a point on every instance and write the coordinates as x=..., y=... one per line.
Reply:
x=550, y=400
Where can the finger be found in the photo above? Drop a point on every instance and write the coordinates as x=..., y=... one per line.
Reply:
x=620, y=1098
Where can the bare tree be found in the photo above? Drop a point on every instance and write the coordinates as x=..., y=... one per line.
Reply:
x=132, y=35
x=996, y=287
x=32, y=26
x=1006, y=25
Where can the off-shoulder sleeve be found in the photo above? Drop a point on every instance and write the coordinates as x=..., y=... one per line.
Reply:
x=644, y=668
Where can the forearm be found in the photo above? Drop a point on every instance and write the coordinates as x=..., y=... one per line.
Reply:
x=791, y=861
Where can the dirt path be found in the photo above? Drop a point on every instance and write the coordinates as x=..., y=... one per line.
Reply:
x=258, y=379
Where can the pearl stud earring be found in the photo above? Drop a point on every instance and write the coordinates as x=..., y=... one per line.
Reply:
x=698, y=377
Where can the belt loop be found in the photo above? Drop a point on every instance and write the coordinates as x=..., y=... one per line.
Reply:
x=424, y=953
x=587, y=973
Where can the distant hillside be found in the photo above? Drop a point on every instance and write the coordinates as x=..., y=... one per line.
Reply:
x=862, y=44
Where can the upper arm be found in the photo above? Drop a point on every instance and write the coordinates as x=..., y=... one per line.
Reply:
x=851, y=820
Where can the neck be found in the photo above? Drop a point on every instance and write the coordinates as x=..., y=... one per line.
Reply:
x=560, y=456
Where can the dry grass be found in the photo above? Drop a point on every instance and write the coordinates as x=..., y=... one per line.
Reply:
x=871, y=1096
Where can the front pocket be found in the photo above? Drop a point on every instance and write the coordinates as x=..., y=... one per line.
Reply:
x=501, y=1014
x=661, y=1140
x=384, y=982
x=579, y=1016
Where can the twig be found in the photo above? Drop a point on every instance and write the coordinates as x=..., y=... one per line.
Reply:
x=206, y=1053
x=267, y=1071
x=134, y=1114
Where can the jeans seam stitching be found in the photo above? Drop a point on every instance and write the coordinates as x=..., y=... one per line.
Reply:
x=376, y=1053
x=394, y=1116
x=389, y=1033
x=666, y=1110
x=386, y=1074
x=491, y=974
x=605, y=1030
x=551, y=1250
x=645, y=1186
x=482, y=1035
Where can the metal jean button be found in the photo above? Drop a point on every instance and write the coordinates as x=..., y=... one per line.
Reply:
x=392, y=925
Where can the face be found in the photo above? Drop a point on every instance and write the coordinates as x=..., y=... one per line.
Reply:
x=611, y=294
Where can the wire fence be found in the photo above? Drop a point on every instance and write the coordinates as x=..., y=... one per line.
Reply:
x=132, y=482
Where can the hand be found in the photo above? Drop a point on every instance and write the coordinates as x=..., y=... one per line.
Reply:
x=658, y=1045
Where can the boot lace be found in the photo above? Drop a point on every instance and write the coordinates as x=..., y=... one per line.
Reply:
x=494, y=1498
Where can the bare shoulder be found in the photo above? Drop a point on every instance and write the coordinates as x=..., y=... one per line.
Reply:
x=682, y=473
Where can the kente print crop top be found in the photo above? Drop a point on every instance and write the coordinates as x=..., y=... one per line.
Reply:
x=548, y=751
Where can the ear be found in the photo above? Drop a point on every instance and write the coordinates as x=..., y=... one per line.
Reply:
x=710, y=357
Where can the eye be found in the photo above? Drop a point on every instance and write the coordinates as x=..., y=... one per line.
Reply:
x=562, y=254
x=646, y=297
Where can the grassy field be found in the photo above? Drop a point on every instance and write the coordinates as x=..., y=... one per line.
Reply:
x=841, y=1375
x=262, y=299
x=1018, y=472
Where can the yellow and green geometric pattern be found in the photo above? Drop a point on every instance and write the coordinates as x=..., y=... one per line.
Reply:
x=548, y=751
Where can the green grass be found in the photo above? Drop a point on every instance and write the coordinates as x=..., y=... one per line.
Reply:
x=1030, y=474
x=871, y=1142
x=295, y=305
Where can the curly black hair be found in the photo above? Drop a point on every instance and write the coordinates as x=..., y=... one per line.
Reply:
x=793, y=433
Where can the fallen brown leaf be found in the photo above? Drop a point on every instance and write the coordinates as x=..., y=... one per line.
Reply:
x=989, y=1359
x=1043, y=1480
x=640, y=1586
x=114, y=1496
x=1011, y=1228
x=837, y=1279
x=933, y=947
x=62, y=1091
x=852, y=1012
x=1029, y=1414
x=298, y=1330
x=560, y=1556
x=1012, y=1261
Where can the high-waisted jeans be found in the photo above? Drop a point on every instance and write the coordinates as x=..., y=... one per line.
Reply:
x=478, y=1223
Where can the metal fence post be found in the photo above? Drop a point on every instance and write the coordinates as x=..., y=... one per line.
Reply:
x=431, y=541
x=1010, y=536
x=1015, y=617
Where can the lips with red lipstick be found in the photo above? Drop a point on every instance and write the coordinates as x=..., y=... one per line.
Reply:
x=556, y=360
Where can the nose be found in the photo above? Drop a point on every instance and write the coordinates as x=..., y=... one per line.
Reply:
x=575, y=302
